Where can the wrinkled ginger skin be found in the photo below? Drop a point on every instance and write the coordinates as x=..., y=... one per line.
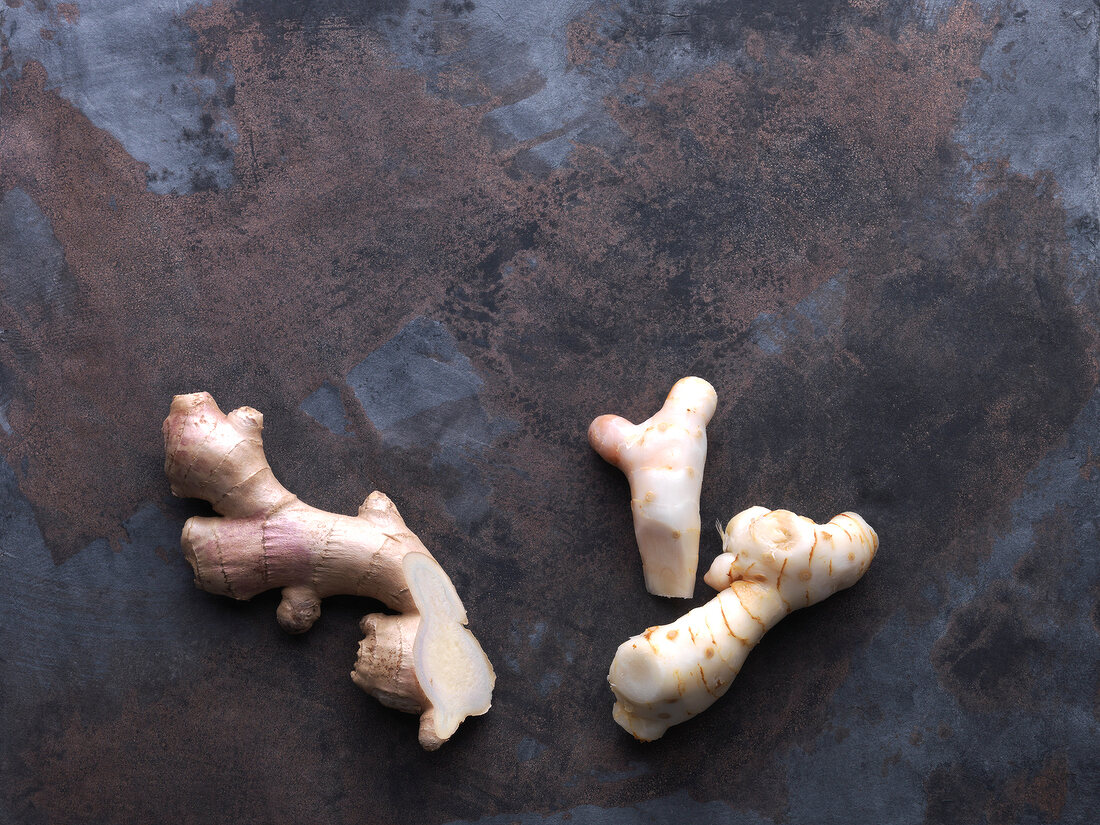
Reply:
x=663, y=460
x=267, y=538
x=773, y=562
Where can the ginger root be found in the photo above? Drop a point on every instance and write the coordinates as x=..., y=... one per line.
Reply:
x=423, y=660
x=773, y=562
x=663, y=460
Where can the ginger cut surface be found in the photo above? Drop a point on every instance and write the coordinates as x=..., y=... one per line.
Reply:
x=773, y=562
x=423, y=660
x=663, y=460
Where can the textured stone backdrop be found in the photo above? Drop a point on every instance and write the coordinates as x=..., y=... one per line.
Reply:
x=431, y=240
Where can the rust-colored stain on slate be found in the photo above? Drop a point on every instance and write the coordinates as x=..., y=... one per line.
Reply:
x=263, y=274
x=890, y=330
x=69, y=12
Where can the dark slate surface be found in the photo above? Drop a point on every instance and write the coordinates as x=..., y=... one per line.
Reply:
x=430, y=241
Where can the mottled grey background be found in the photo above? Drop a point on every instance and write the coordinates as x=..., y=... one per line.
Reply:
x=431, y=240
